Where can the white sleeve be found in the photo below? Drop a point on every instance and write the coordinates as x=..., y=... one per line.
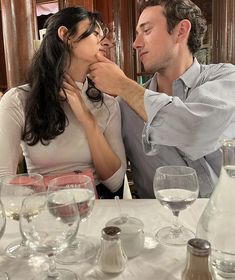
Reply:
x=11, y=126
x=113, y=136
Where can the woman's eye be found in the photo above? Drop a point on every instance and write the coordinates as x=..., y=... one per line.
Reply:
x=96, y=33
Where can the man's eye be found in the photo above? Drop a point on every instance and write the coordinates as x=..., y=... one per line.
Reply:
x=146, y=31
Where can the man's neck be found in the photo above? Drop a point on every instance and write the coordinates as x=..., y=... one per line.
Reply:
x=166, y=78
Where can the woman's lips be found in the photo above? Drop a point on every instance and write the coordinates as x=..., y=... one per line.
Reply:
x=103, y=52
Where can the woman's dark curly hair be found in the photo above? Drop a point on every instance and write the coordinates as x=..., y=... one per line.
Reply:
x=45, y=118
x=177, y=10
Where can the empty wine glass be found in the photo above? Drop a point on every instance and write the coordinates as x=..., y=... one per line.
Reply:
x=13, y=189
x=48, y=223
x=82, y=188
x=176, y=187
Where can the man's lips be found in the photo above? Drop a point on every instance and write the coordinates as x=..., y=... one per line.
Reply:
x=141, y=54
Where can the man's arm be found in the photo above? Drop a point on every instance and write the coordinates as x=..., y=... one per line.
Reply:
x=109, y=78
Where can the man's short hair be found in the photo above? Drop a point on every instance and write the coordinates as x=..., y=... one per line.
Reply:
x=177, y=10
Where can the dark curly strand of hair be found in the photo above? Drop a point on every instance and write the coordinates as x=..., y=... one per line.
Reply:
x=45, y=117
x=177, y=10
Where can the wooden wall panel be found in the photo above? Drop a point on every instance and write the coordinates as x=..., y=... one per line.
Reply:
x=19, y=31
x=223, y=22
x=105, y=8
x=3, y=77
x=124, y=22
x=88, y=4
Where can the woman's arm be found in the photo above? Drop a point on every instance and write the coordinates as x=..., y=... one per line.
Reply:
x=11, y=123
x=105, y=159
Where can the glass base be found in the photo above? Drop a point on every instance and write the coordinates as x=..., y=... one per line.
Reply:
x=179, y=237
x=17, y=250
x=80, y=251
x=4, y=276
x=61, y=274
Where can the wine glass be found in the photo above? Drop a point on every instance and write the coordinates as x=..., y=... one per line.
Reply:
x=3, y=275
x=176, y=187
x=48, y=223
x=14, y=188
x=81, y=249
x=2, y=220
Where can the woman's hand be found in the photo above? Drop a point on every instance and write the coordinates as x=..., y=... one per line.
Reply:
x=105, y=160
x=76, y=102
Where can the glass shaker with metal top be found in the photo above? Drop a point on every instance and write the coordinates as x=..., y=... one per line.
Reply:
x=111, y=257
x=197, y=267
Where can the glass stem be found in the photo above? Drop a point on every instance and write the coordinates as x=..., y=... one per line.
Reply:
x=22, y=243
x=52, y=272
x=176, y=225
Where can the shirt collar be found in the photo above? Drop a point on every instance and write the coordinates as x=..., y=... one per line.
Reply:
x=189, y=76
x=153, y=84
x=82, y=86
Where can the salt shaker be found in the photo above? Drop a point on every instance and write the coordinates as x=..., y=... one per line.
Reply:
x=111, y=258
x=132, y=234
x=197, y=268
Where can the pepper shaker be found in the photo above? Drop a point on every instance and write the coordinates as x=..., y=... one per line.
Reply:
x=197, y=267
x=111, y=258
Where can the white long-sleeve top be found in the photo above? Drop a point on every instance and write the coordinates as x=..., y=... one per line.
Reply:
x=67, y=152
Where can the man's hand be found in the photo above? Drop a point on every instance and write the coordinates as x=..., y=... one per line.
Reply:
x=107, y=76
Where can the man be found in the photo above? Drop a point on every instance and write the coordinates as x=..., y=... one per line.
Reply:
x=188, y=108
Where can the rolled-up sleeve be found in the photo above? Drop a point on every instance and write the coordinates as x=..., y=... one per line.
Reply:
x=196, y=126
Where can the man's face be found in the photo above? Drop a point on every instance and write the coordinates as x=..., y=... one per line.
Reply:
x=154, y=44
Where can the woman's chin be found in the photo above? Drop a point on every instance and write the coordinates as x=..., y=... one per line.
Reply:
x=103, y=52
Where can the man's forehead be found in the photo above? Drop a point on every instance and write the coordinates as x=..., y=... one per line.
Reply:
x=150, y=15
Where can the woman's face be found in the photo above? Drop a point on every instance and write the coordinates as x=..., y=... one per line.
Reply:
x=85, y=50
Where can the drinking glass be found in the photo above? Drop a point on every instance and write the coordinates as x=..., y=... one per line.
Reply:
x=81, y=186
x=176, y=187
x=48, y=223
x=13, y=189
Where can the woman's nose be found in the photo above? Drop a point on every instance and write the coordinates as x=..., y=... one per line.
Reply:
x=106, y=43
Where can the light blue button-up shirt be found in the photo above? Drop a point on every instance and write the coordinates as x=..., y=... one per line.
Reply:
x=196, y=119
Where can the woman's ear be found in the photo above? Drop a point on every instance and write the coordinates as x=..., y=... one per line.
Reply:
x=62, y=33
x=183, y=28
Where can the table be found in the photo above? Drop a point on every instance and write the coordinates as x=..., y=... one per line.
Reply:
x=155, y=262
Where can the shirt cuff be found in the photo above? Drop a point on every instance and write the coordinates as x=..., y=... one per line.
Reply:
x=115, y=181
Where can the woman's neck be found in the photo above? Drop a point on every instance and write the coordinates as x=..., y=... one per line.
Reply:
x=78, y=72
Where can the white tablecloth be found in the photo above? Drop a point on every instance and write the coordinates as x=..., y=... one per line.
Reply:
x=159, y=262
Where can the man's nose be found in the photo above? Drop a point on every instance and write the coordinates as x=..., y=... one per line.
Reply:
x=138, y=43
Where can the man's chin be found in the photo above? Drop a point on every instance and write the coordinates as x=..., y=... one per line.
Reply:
x=149, y=70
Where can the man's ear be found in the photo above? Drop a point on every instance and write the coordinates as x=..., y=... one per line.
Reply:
x=62, y=32
x=183, y=30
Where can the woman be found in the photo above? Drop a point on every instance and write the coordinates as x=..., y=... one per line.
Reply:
x=61, y=128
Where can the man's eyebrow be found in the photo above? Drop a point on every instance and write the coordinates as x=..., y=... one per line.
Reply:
x=142, y=26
